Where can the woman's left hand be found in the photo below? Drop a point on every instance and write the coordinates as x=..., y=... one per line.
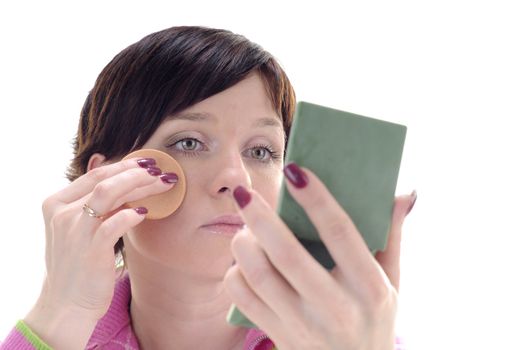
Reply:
x=280, y=287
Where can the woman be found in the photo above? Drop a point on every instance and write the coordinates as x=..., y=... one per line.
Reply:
x=222, y=107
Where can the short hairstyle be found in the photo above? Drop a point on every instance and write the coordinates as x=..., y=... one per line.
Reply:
x=161, y=75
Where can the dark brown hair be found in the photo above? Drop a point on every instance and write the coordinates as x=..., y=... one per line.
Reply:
x=163, y=74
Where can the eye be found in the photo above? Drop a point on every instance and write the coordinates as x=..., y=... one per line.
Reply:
x=259, y=153
x=263, y=153
x=188, y=144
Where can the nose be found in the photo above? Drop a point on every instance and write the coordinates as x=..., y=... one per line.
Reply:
x=229, y=172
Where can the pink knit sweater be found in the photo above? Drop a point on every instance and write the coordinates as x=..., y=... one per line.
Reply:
x=113, y=331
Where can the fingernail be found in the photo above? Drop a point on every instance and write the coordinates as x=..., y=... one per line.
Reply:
x=154, y=171
x=146, y=162
x=141, y=210
x=242, y=196
x=414, y=196
x=169, y=178
x=295, y=175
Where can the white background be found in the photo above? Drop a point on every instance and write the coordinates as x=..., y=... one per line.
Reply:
x=454, y=72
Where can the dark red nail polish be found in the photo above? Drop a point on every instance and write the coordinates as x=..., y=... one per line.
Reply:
x=295, y=175
x=141, y=210
x=414, y=195
x=169, y=178
x=154, y=171
x=146, y=162
x=242, y=196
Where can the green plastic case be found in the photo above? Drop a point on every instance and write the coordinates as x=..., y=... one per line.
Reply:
x=358, y=159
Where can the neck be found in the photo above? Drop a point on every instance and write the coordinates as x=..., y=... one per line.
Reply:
x=179, y=311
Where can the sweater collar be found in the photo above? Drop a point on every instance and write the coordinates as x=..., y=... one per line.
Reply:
x=115, y=326
x=116, y=322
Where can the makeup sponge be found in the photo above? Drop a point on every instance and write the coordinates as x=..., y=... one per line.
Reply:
x=161, y=205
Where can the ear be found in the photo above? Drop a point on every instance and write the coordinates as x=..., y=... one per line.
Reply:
x=96, y=160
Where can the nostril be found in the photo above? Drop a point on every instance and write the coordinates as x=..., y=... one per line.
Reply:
x=223, y=189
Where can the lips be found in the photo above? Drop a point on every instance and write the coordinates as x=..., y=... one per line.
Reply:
x=227, y=220
x=225, y=224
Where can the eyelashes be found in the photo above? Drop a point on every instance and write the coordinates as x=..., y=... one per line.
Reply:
x=191, y=147
x=272, y=153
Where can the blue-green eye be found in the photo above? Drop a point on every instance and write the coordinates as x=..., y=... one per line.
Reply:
x=260, y=153
x=188, y=144
x=263, y=153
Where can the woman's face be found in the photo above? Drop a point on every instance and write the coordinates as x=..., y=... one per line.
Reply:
x=232, y=138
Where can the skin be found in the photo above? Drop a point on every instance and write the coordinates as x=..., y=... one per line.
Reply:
x=193, y=300
x=181, y=274
x=281, y=288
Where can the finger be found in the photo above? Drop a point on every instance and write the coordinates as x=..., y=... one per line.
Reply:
x=114, y=191
x=264, y=279
x=117, y=225
x=87, y=182
x=334, y=226
x=153, y=187
x=251, y=305
x=389, y=259
x=142, y=192
x=285, y=252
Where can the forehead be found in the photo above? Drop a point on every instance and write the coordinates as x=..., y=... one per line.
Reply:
x=247, y=100
x=212, y=118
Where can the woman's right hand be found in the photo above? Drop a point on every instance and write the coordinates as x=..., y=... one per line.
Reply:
x=80, y=260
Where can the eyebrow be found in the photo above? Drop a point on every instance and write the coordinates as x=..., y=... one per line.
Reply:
x=199, y=116
x=195, y=117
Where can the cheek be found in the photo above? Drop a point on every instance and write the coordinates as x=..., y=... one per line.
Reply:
x=158, y=239
x=268, y=185
x=168, y=239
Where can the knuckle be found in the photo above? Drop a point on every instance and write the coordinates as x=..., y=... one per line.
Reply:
x=107, y=228
x=136, y=175
x=260, y=223
x=131, y=173
x=97, y=174
x=233, y=283
x=338, y=229
x=287, y=257
x=380, y=295
x=114, y=223
x=239, y=242
x=101, y=189
x=259, y=275
x=58, y=218
x=49, y=206
x=316, y=199
x=130, y=218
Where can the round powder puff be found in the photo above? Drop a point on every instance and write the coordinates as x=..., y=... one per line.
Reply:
x=161, y=205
